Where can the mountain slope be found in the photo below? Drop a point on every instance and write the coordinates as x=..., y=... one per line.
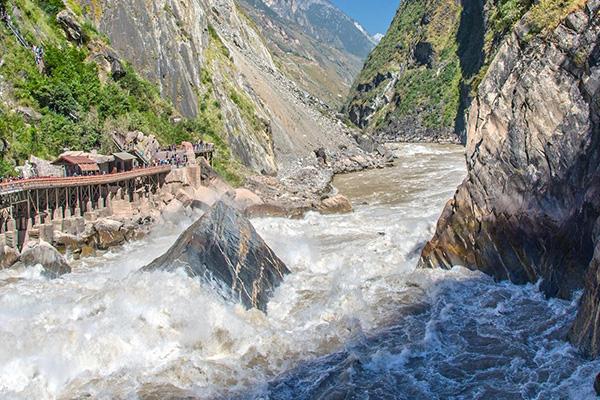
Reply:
x=416, y=84
x=325, y=22
x=199, y=68
x=313, y=43
x=267, y=120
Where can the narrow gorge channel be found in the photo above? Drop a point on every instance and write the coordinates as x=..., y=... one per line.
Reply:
x=354, y=318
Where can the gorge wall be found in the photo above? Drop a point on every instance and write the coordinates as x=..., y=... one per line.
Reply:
x=312, y=42
x=529, y=208
x=210, y=49
x=417, y=84
x=192, y=68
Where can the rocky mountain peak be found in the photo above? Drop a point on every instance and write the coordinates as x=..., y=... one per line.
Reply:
x=324, y=21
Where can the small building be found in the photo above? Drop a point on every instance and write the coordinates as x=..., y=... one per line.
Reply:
x=77, y=165
x=105, y=163
x=124, y=161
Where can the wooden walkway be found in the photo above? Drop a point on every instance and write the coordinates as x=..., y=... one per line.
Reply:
x=73, y=181
x=33, y=202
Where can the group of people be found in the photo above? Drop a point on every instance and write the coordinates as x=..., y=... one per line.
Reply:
x=201, y=146
x=175, y=160
x=38, y=53
x=10, y=179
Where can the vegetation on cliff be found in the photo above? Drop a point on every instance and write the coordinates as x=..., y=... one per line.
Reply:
x=431, y=61
x=74, y=104
x=414, y=71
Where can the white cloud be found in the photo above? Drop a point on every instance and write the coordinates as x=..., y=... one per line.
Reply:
x=378, y=37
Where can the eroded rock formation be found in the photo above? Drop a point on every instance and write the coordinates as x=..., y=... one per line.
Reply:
x=529, y=207
x=223, y=248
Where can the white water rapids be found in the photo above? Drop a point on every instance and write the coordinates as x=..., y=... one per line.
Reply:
x=353, y=320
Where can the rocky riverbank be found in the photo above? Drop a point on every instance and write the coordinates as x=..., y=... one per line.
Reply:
x=192, y=191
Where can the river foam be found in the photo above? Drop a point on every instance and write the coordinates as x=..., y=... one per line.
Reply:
x=353, y=318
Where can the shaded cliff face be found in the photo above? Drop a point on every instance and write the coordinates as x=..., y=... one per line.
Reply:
x=208, y=58
x=529, y=207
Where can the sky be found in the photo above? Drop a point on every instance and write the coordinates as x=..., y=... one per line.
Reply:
x=374, y=15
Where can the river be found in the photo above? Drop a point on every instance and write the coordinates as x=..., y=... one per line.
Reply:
x=353, y=320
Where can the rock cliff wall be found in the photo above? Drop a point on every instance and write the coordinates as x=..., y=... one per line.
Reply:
x=529, y=208
x=418, y=82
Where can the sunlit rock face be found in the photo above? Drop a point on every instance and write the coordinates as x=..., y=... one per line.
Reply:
x=529, y=207
x=224, y=249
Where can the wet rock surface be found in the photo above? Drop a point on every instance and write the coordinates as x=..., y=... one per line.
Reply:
x=337, y=204
x=109, y=233
x=529, y=206
x=8, y=257
x=40, y=252
x=223, y=248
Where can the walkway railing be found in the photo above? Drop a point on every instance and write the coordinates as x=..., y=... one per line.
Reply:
x=53, y=182
x=38, y=52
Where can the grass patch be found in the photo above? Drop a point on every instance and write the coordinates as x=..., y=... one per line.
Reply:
x=547, y=14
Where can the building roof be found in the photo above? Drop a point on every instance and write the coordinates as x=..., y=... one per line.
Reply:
x=89, y=167
x=94, y=156
x=124, y=156
x=79, y=160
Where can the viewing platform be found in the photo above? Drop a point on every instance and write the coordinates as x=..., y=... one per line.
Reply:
x=80, y=186
x=41, y=206
x=73, y=181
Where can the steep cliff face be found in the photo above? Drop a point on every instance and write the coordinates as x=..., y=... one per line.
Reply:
x=529, y=208
x=326, y=69
x=417, y=83
x=209, y=59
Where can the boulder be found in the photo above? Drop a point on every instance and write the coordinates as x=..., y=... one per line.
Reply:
x=45, y=168
x=109, y=233
x=185, y=196
x=8, y=257
x=244, y=198
x=338, y=204
x=321, y=155
x=266, y=210
x=68, y=21
x=67, y=241
x=29, y=114
x=40, y=252
x=207, y=195
x=223, y=248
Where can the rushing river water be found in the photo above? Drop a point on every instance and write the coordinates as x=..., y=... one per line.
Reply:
x=354, y=320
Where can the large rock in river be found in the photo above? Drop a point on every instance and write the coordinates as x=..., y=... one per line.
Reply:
x=223, y=246
x=40, y=252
